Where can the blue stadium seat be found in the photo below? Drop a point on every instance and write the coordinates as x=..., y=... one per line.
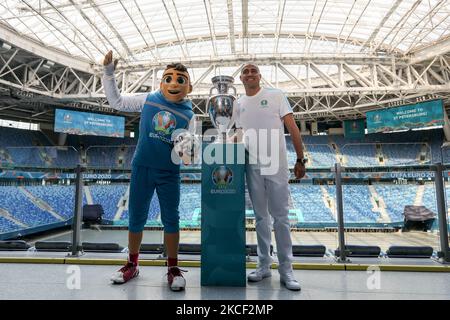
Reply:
x=60, y=198
x=308, y=198
x=396, y=197
x=108, y=197
x=22, y=209
x=8, y=226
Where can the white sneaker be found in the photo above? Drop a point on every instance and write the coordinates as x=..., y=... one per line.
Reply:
x=288, y=280
x=175, y=279
x=126, y=273
x=259, y=274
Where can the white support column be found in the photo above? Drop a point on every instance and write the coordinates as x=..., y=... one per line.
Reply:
x=154, y=80
x=62, y=139
x=276, y=75
x=446, y=127
x=303, y=126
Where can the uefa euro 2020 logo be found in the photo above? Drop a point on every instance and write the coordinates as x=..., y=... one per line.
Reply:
x=377, y=118
x=164, y=123
x=222, y=176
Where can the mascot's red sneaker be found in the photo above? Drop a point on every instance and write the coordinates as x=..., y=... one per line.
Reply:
x=126, y=273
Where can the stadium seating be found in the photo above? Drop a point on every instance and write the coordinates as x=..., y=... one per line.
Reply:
x=396, y=197
x=102, y=157
x=429, y=197
x=360, y=155
x=60, y=198
x=63, y=158
x=129, y=153
x=401, y=154
x=11, y=137
x=8, y=226
x=26, y=148
x=320, y=156
x=87, y=141
x=21, y=208
x=319, y=152
x=108, y=197
x=189, y=202
x=308, y=199
x=26, y=156
x=356, y=203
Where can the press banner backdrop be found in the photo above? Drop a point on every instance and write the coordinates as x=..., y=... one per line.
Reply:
x=420, y=115
x=86, y=123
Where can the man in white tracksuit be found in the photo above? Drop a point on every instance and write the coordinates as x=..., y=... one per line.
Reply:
x=263, y=113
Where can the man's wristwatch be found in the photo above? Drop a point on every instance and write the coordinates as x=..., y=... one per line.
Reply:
x=302, y=161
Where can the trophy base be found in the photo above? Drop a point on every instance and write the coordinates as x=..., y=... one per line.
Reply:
x=223, y=251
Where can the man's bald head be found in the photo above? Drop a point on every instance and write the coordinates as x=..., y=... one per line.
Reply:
x=250, y=65
x=250, y=77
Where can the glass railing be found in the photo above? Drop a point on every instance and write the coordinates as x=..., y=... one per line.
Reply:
x=391, y=208
x=392, y=214
x=32, y=207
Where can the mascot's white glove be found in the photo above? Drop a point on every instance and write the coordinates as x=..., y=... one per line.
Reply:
x=187, y=147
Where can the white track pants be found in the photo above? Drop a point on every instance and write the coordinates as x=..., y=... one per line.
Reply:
x=270, y=197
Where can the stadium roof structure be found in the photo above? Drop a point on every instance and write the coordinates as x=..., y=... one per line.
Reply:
x=335, y=59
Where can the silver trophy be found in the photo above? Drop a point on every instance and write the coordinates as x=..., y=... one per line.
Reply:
x=220, y=105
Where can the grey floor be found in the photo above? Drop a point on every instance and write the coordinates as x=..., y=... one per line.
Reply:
x=27, y=281
x=45, y=281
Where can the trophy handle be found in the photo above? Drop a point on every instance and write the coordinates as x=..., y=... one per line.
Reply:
x=207, y=108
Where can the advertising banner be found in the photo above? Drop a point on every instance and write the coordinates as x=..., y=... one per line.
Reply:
x=354, y=129
x=85, y=123
x=420, y=115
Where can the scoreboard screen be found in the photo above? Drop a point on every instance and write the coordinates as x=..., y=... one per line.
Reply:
x=85, y=123
x=419, y=115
